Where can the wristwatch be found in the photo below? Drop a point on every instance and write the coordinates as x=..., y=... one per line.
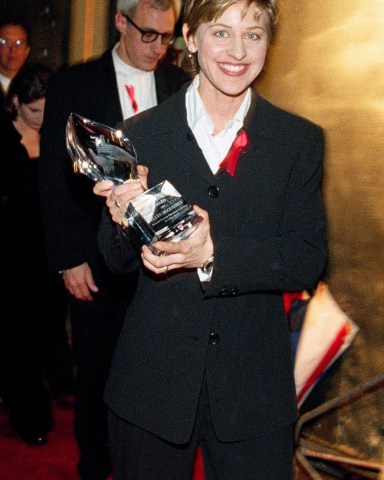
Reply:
x=208, y=265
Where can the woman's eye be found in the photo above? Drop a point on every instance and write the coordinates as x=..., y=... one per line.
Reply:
x=253, y=36
x=221, y=34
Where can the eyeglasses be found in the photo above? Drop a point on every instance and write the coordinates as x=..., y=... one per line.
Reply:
x=5, y=42
x=150, y=36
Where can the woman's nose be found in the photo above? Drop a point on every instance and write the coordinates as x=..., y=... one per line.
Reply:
x=237, y=49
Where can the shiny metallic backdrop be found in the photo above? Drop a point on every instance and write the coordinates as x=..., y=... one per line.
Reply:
x=327, y=64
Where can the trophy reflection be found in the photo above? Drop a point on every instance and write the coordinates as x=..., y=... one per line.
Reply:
x=102, y=153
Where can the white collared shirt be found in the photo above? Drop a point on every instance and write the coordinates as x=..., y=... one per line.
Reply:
x=143, y=83
x=5, y=82
x=214, y=148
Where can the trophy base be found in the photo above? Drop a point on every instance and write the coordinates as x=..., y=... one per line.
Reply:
x=160, y=214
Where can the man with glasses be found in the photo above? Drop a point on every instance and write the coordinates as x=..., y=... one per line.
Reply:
x=150, y=36
x=125, y=80
x=14, y=51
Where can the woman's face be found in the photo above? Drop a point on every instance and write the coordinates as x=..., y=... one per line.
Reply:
x=31, y=113
x=231, y=50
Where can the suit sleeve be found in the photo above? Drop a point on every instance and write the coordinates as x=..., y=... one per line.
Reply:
x=119, y=252
x=65, y=206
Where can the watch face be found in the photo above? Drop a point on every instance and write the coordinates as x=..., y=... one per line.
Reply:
x=208, y=265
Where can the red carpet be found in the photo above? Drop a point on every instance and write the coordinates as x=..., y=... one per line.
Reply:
x=54, y=461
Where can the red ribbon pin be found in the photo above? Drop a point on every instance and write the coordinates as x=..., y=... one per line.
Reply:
x=131, y=92
x=230, y=160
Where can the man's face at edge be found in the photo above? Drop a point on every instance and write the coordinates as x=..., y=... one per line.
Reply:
x=13, y=57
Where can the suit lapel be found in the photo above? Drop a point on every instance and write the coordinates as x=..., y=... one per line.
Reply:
x=181, y=137
x=111, y=101
x=257, y=123
x=162, y=90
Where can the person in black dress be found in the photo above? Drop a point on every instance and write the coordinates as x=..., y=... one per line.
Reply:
x=35, y=356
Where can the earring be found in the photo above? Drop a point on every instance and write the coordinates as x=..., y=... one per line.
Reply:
x=189, y=63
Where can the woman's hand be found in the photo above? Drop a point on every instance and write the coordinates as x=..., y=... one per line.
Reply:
x=190, y=253
x=119, y=197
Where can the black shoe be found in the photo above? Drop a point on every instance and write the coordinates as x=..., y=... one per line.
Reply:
x=33, y=438
x=33, y=434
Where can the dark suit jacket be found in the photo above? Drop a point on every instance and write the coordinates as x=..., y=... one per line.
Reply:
x=71, y=211
x=269, y=234
x=2, y=101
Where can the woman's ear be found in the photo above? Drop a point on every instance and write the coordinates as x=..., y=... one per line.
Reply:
x=189, y=40
x=185, y=29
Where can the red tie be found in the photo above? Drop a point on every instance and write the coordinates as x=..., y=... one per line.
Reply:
x=230, y=160
x=131, y=92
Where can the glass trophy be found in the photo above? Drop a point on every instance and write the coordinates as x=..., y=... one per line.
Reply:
x=102, y=153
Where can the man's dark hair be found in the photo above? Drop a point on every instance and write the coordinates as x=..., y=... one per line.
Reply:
x=16, y=20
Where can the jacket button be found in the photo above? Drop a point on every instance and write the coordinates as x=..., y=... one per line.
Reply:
x=228, y=292
x=213, y=338
x=213, y=191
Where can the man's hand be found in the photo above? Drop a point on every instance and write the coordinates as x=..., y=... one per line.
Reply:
x=79, y=282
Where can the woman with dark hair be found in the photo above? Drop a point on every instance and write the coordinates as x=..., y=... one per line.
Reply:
x=35, y=332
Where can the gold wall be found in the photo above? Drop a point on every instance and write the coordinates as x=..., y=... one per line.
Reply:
x=89, y=29
x=327, y=64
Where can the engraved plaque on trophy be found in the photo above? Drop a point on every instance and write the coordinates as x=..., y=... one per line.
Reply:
x=160, y=214
x=100, y=152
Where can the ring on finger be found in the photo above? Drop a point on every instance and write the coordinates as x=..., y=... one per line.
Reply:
x=117, y=204
x=165, y=269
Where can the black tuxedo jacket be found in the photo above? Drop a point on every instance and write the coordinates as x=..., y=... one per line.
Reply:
x=2, y=101
x=269, y=234
x=71, y=211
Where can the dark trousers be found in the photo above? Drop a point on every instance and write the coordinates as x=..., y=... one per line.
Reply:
x=140, y=455
x=35, y=358
x=56, y=352
x=95, y=329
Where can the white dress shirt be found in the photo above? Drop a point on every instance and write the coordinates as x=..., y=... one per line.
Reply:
x=214, y=148
x=142, y=82
x=5, y=82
